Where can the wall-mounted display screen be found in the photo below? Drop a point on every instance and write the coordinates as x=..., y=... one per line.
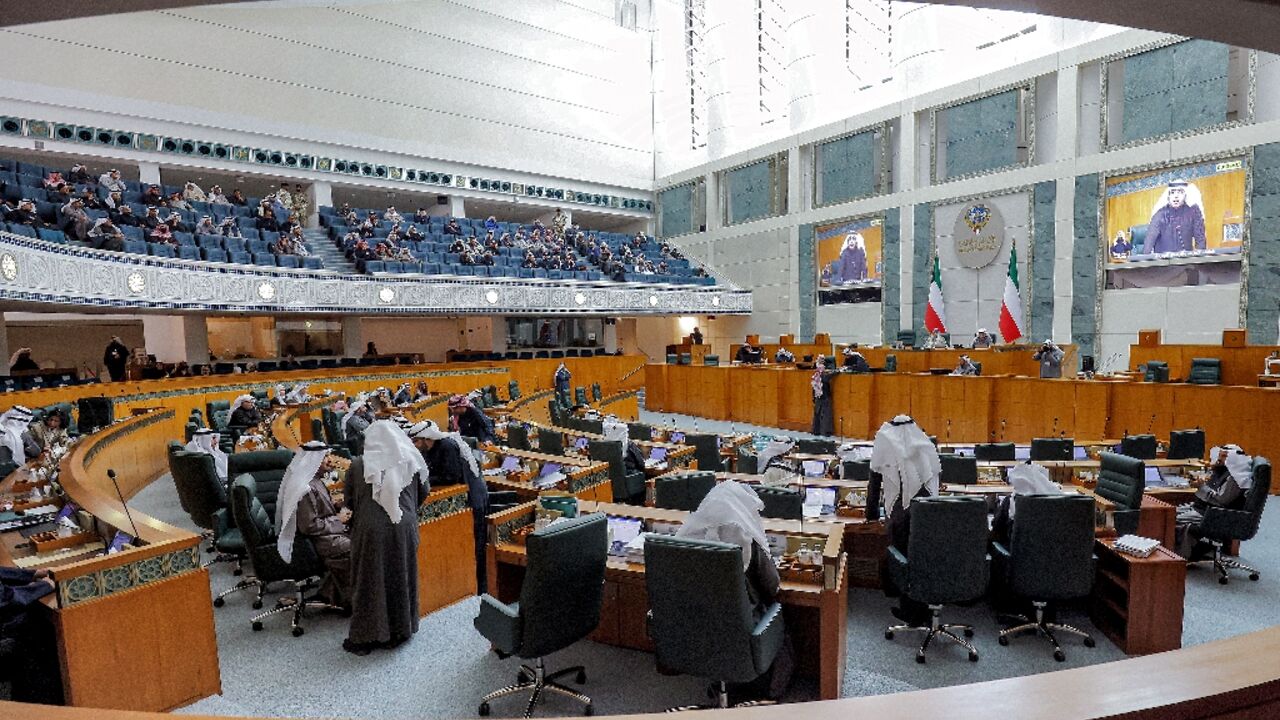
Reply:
x=849, y=253
x=1183, y=211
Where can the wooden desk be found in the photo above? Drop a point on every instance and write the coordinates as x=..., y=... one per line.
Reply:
x=584, y=478
x=816, y=614
x=1137, y=602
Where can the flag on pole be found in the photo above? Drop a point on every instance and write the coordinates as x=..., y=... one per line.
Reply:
x=935, y=315
x=1011, y=306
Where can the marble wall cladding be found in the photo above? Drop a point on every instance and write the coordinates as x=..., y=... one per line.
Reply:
x=846, y=168
x=891, y=284
x=675, y=206
x=921, y=249
x=1174, y=88
x=1262, y=300
x=806, y=283
x=981, y=134
x=749, y=190
x=1040, y=310
x=1084, y=266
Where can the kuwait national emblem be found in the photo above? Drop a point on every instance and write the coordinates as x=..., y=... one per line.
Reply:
x=977, y=217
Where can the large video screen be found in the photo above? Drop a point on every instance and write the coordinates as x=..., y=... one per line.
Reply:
x=1184, y=211
x=849, y=253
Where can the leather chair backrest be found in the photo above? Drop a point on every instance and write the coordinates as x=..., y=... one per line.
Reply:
x=611, y=451
x=1157, y=371
x=1053, y=448
x=748, y=462
x=711, y=360
x=706, y=450
x=550, y=442
x=595, y=427
x=994, y=451
x=639, y=431
x=596, y=394
x=1205, y=371
x=1051, y=547
x=257, y=526
x=1142, y=447
x=809, y=446
x=682, y=491
x=518, y=436
x=267, y=468
x=702, y=616
x=563, y=584
x=553, y=408
x=781, y=503
x=890, y=363
x=200, y=491
x=513, y=390
x=1255, y=498
x=1185, y=444
x=1121, y=479
x=218, y=411
x=580, y=395
x=958, y=469
x=947, y=549
x=859, y=469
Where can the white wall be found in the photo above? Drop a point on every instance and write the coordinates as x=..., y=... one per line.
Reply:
x=973, y=297
x=1191, y=315
x=548, y=88
x=429, y=336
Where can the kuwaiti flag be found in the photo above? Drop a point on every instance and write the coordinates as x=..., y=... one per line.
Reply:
x=1011, y=306
x=935, y=315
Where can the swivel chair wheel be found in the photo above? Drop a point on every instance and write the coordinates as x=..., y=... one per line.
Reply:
x=888, y=634
x=484, y=709
x=1253, y=577
x=297, y=632
x=219, y=602
x=257, y=604
x=1003, y=640
x=973, y=657
x=1088, y=642
x=968, y=632
x=920, y=656
x=589, y=710
x=237, y=572
x=256, y=626
x=1222, y=581
x=1059, y=656
x=581, y=678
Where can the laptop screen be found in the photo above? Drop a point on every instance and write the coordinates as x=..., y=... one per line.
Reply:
x=621, y=532
x=1022, y=452
x=549, y=469
x=677, y=437
x=510, y=463
x=814, y=468
x=658, y=454
x=1153, y=476
x=1081, y=453
x=822, y=497
x=581, y=443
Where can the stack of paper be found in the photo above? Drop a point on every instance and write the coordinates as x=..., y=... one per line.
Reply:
x=1136, y=545
x=635, y=549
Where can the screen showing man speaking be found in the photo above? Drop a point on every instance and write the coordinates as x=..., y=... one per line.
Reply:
x=1184, y=211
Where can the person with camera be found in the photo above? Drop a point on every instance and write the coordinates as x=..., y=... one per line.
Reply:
x=1050, y=358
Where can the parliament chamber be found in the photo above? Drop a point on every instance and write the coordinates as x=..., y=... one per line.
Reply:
x=466, y=358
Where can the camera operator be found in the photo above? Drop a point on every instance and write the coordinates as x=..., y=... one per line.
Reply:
x=1050, y=358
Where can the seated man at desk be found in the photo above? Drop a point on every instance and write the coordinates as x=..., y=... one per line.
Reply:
x=730, y=513
x=50, y=431
x=359, y=417
x=1271, y=366
x=451, y=462
x=784, y=356
x=1027, y=479
x=1229, y=478
x=748, y=354
x=935, y=341
x=854, y=360
x=965, y=366
x=305, y=508
x=469, y=420
x=16, y=425
x=632, y=455
x=908, y=465
x=773, y=464
x=244, y=413
x=28, y=647
x=982, y=339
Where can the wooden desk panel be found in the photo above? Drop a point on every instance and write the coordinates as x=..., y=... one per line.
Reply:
x=1240, y=366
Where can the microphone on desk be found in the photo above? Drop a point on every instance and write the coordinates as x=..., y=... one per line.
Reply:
x=112, y=475
x=1055, y=426
x=1152, y=423
x=948, y=431
x=1002, y=429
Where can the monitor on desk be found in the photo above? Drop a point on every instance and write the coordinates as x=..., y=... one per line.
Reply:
x=966, y=450
x=510, y=463
x=1081, y=453
x=814, y=468
x=1022, y=452
x=623, y=530
x=677, y=436
x=581, y=443
x=549, y=469
x=1153, y=477
x=822, y=498
x=657, y=455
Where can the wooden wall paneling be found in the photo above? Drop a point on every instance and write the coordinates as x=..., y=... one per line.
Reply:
x=1091, y=409
x=795, y=399
x=655, y=387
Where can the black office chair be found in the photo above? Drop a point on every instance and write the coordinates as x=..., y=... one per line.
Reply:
x=1052, y=448
x=781, y=503
x=596, y=393
x=639, y=431
x=809, y=446
x=748, y=462
x=1049, y=558
x=595, y=427
x=267, y=468
x=1220, y=525
x=559, y=605
x=855, y=469
x=682, y=491
x=946, y=562
x=628, y=487
x=958, y=469
x=1122, y=480
x=711, y=360
x=890, y=363
x=1205, y=371
x=992, y=452
x=518, y=436
x=550, y=442
x=513, y=391
x=701, y=617
x=1142, y=447
x=1157, y=372
x=580, y=396
x=706, y=451
x=1185, y=444
x=255, y=523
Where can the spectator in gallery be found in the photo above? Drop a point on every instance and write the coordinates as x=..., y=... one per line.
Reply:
x=104, y=235
x=452, y=227
x=152, y=197
x=79, y=175
x=1177, y=222
x=91, y=200
x=216, y=197
x=174, y=221
x=75, y=221
x=229, y=228
x=124, y=217
x=392, y=215
x=114, y=201
x=238, y=198
x=54, y=181
x=192, y=192
x=112, y=182
x=422, y=216
x=25, y=214
x=206, y=226
x=162, y=234
x=152, y=219
x=265, y=216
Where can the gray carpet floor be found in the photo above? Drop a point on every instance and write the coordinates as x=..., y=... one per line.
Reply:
x=444, y=670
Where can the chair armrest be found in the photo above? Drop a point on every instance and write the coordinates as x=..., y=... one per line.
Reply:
x=897, y=569
x=499, y=623
x=1223, y=524
x=635, y=483
x=767, y=637
x=222, y=522
x=1126, y=521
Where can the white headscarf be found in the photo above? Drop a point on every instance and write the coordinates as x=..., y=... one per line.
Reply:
x=905, y=459
x=729, y=513
x=615, y=429
x=1239, y=465
x=853, y=240
x=1030, y=479
x=390, y=462
x=351, y=412
x=775, y=447
x=236, y=403
x=297, y=394
x=1192, y=197
x=430, y=431
x=293, y=487
x=14, y=422
x=282, y=392
x=206, y=441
